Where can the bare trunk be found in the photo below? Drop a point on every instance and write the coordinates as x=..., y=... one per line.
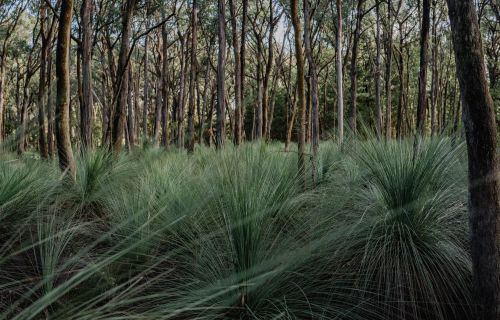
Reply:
x=237, y=75
x=86, y=107
x=422, y=79
x=314, y=86
x=66, y=160
x=221, y=72
x=378, y=100
x=480, y=130
x=118, y=129
x=299, y=57
x=192, y=78
x=340, y=76
x=354, y=64
x=42, y=85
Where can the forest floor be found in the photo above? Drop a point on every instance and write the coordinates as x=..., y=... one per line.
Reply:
x=380, y=234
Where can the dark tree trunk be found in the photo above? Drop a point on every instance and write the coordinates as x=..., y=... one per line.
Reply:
x=86, y=105
x=145, y=106
x=131, y=112
x=221, y=73
x=378, y=100
x=480, y=130
x=314, y=85
x=165, y=85
x=192, y=78
x=237, y=75
x=340, y=74
x=299, y=57
x=354, y=64
x=422, y=78
x=122, y=86
x=243, y=66
x=42, y=86
x=66, y=160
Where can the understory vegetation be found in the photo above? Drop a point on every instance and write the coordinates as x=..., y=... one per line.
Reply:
x=380, y=234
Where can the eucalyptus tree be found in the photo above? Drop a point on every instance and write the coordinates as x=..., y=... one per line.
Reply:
x=64, y=149
x=481, y=136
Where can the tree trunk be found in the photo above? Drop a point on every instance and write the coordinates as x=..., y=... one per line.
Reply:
x=314, y=85
x=424, y=57
x=242, y=68
x=145, y=106
x=86, y=107
x=192, y=78
x=131, y=112
x=299, y=57
x=340, y=85
x=165, y=85
x=118, y=129
x=480, y=131
x=435, y=74
x=354, y=64
x=237, y=75
x=378, y=100
x=181, y=99
x=66, y=160
x=42, y=86
x=221, y=72
x=388, y=70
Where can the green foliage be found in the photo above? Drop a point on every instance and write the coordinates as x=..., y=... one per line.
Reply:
x=232, y=235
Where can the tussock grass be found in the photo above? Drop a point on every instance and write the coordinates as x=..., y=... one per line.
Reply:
x=153, y=234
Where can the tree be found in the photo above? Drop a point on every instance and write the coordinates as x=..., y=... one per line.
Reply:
x=87, y=95
x=424, y=57
x=221, y=74
x=65, y=152
x=118, y=128
x=339, y=66
x=237, y=74
x=354, y=64
x=192, y=79
x=378, y=100
x=299, y=57
x=480, y=131
x=313, y=81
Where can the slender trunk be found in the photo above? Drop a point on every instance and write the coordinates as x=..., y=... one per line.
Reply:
x=66, y=160
x=118, y=129
x=158, y=107
x=480, y=131
x=422, y=79
x=237, y=75
x=145, y=106
x=267, y=73
x=42, y=85
x=388, y=71
x=340, y=76
x=435, y=76
x=378, y=101
x=50, y=111
x=221, y=73
x=243, y=66
x=299, y=57
x=314, y=85
x=131, y=112
x=86, y=107
x=399, y=123
x=354, y=64
x=165, y=85
x=192, y=79
x=181, y=100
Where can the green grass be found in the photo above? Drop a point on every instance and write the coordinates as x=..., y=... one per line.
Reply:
x=380, y=234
